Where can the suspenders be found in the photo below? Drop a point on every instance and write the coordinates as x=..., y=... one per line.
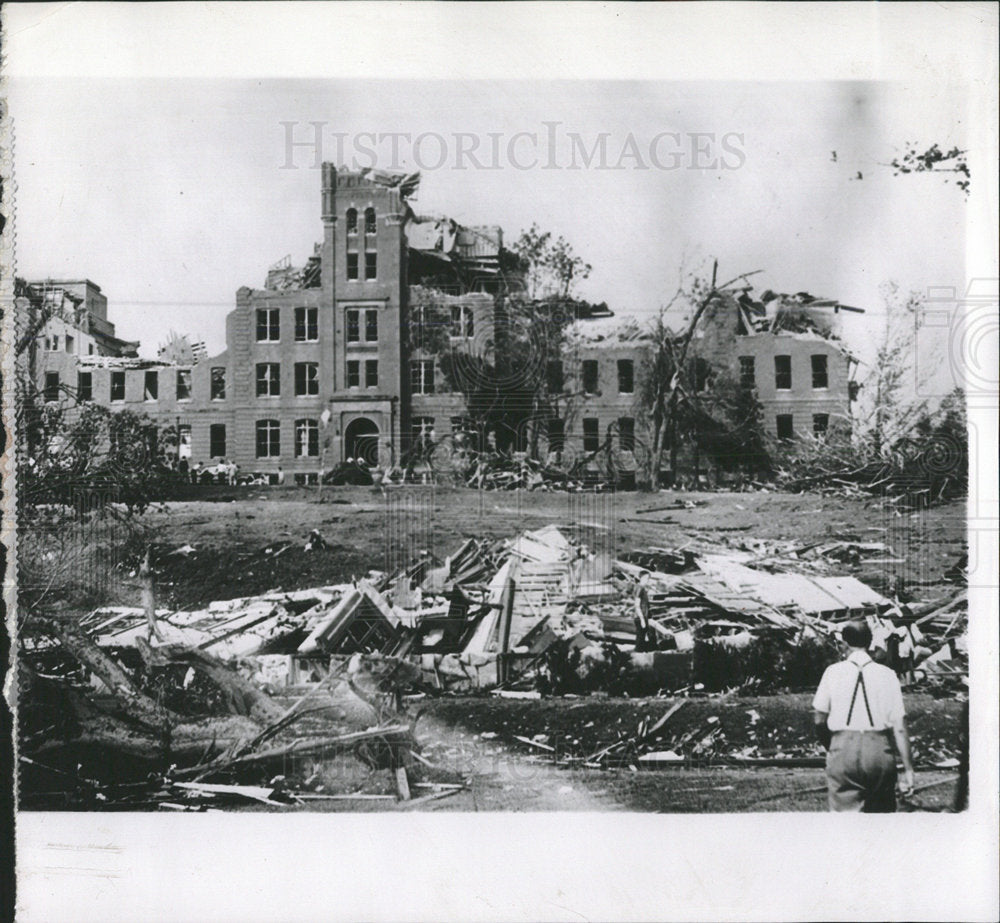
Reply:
x=864, y=692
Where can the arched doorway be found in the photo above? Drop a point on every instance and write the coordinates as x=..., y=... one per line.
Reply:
x=361, y=440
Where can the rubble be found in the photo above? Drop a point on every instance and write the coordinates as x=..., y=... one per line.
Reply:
x=721, y=614
x=536, y=614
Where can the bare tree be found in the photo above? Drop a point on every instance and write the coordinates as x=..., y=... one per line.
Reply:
x=889, y=404
x=664, y=388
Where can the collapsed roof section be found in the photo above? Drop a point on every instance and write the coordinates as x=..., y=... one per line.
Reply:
x=180, y=349
x=777, y=313
x=56, y=300
x=124, y=363
x=284, y=277
x=442, y=253
x=606, y=330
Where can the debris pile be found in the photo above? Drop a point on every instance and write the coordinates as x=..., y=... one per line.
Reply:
x=518, y=471
x=543, y=611
x=191, y=708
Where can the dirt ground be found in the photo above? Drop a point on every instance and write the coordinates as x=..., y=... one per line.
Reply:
x=235, y=533
x=242, y=542
x=473, y=740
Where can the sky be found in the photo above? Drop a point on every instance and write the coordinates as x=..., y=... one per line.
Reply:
x=148, y=149
x=171, y=192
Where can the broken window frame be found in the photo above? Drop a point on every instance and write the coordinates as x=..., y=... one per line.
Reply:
x=590, y=376
x=217, y=440
x=268, y=379
x=184, y=384
x=371, y=373
x=183, y=440
x=117, y=388
x=217, y=379
x=462, y=324
x=821, y=425
x=626, y=376
x=820, y=371
x=351, y=221
x=306, y=379
x=353, y=373
x=782, y=373
x=268, y=325
x=84, y=386
x=307, y=325
x=51, y=393
x=151, y=394
x=422, y=376
x=591, y=434
x=307, y=437
x=371, y=223
x=748, y=373
x=784, y=426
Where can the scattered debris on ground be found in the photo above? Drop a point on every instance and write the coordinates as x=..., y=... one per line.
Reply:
x=184, y=710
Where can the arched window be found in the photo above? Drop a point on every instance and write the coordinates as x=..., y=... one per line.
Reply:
x=371, y=225
x=352, y=221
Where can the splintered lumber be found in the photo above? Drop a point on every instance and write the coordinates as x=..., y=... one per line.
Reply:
x=535, y=743
x=242, y=696
x=396, y=734
x=251, y=792
x=402, y=784
x=670, y=712
x=425, y=798
x=134, y=704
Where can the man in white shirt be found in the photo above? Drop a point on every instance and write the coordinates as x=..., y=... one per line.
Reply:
x=859, y=713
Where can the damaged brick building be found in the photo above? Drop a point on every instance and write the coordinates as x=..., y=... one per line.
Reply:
x=331, y=360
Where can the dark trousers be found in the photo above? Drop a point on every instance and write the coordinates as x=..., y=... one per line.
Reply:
x=861, y=772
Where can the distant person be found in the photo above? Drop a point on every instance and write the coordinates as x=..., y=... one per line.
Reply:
x=183, y=469
x=859, y=714
x=281, y=476
x=196, y=473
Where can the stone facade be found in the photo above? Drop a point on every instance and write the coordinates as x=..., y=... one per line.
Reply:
x=331, y=361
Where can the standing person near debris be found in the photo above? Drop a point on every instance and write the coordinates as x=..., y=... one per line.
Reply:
x=858, y=711
x=281, y=476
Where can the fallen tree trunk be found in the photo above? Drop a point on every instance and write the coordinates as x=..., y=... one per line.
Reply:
x=142, y=732
x=134, y=704
x=109, y=747
x=396, y=736
x=242, y=696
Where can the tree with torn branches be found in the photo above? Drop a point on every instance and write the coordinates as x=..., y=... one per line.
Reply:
x=889, y=402
x=665, y=392
x=551, y=267
x=933, y=160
